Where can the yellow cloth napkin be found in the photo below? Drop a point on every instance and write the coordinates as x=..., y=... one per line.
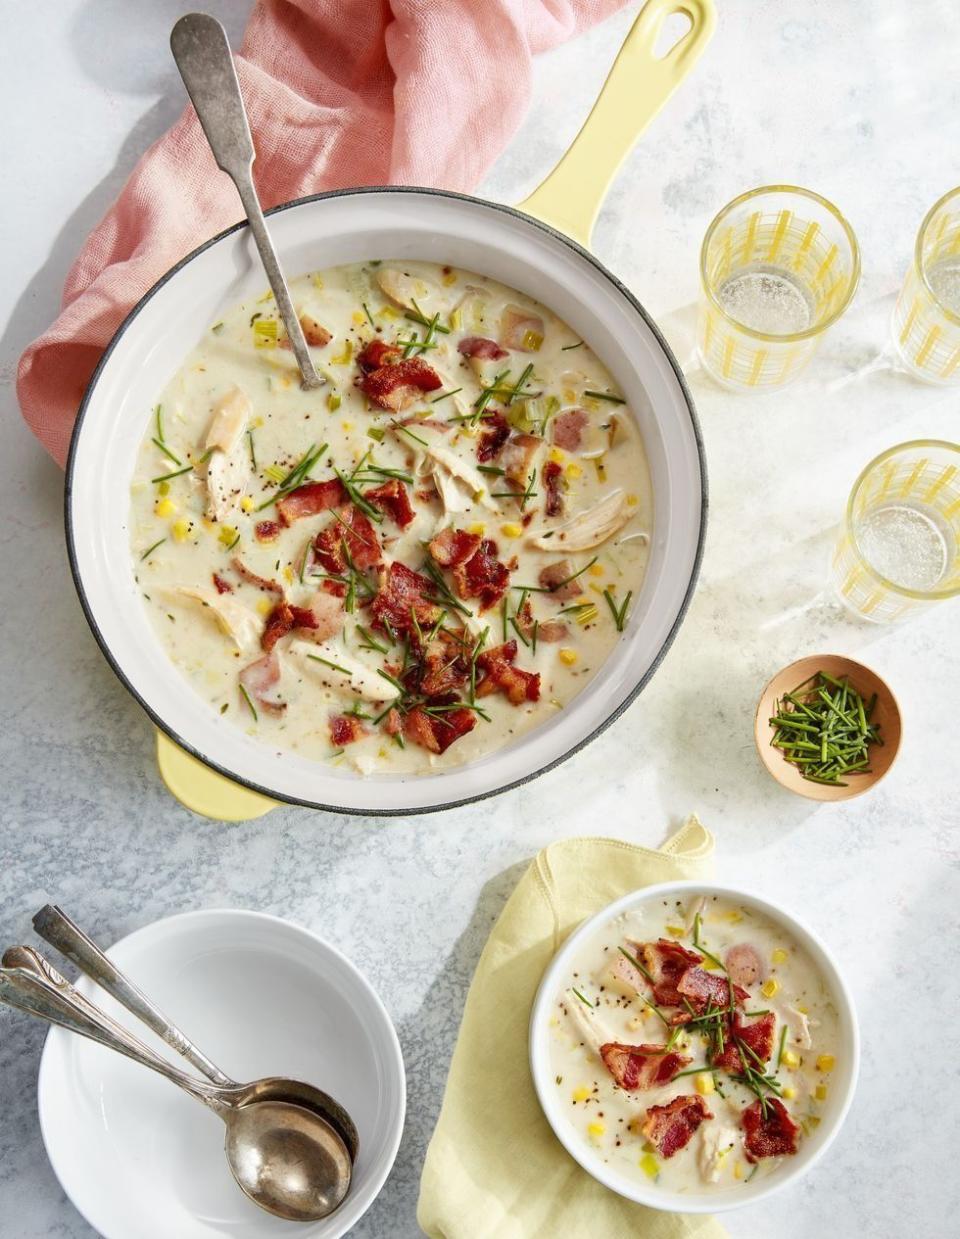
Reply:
x=494, y=1169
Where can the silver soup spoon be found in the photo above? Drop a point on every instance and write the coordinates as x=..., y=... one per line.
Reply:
x=200, y=48
x=54, y=926
x=286, y=1158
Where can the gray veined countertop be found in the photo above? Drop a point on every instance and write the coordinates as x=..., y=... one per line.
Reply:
x=855, y=101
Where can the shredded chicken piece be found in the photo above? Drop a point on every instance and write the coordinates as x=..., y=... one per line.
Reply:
x=402, y=289
x=227, y=476
x=233, y=618
x=356, y=679
x=587, y=529
x=717, y=1141
x=799, y=1028
x=230, y=416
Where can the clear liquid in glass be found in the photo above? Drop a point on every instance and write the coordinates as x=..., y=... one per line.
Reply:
x=767, y=299
x=944, y=279
x=904, y=543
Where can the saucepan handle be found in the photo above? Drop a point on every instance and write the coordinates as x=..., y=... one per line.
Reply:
x=637, y=87
x=203, y=790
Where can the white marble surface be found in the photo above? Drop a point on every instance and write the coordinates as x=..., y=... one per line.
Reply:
x=857, y=101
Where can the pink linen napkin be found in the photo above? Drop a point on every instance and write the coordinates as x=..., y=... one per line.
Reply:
x=339, y=93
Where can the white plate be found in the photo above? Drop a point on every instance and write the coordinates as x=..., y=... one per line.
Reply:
x=842, y=1082
x=140, y=1159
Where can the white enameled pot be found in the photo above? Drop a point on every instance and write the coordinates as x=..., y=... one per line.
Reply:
x=349, y=226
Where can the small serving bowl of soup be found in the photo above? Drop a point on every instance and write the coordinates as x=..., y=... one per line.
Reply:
x=694, y=1047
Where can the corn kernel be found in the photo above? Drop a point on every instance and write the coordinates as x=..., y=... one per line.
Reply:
x=573, y=470
x=246, y=503
x=597, y=569
x=779, y=956
x=348, y=426
x=477, y=528
x=703, y=1083
x=649, y=1165
x=789, y=1092
x=228, y=535
x=568, y=657
x=821, y=1092
x=511, y=530
x=596, y=1130
x=676, y=931
x=738, y=1170
x=826, y=1062
x=165, y=507
x=288, y=574
x=181, y=530
x=557, y=456
x=632, y=500
x=581, y=1093
x=358, y=317
x=803, y=1008
x=569, y=395
x=789, y=1059
x=456, y=320
x=264, y=606
x=770, y=987
x=257, y=423
x=333, y=401
x=164, y=488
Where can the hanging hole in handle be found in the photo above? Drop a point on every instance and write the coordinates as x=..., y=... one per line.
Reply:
x=673, y=30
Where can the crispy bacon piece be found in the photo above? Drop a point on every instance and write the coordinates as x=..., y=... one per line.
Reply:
x=756, y=1034
x=482, y=576
x=517, y=458
x=744, y=964
x=393, y=499
x=641, y=1066
x=377, y=353
x=345, y=729
x=393, y=724
x=568, y=429
x=260, y=679
x=480, y=346
x=315, y=334
x=220, y=585
x=701, y=988
x=672, y=1127
x=556, y=579
x=405, y=593
x=452, y=547
x=495, y=433
x=437, y=732
x=553, y=485
x=311, y=499
x=499, y=675
x=261, y=582
x=349, y=537
x=397, y=385
x=283, y=619
x=666, y=962
x=771, y=1135
x=443, y=668
x=267, y=531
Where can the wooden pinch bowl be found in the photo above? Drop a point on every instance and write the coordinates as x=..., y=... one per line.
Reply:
x=886, y=714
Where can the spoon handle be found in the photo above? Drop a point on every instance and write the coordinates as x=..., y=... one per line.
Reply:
x=30, y=984
x=55, y=927
x=202, y=53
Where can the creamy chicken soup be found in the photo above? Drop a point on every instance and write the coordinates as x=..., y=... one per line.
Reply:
x=419, y=562
x=667, y=1076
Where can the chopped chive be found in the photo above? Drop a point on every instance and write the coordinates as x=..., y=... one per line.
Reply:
x=371, y=643
x=409, y=433
x=605, y=395
x=165, y=477
x=445, y=395
x=166, y=451
x=568, y=347
x=151, y=549
x=585, y=1001
x=253, y=708
x=369, y=315
x=253, y=454
x=783, y=1042
x=619, y=613
x=636, y=963
x=493, y=469
x=327, y=663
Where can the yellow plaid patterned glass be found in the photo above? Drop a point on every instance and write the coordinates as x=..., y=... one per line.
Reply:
x=926, y=321
x=898, y=550
x=778, y=265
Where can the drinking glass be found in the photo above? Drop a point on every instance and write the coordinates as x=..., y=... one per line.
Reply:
x=778, y=266
x=897, y=551
x=926, y=319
